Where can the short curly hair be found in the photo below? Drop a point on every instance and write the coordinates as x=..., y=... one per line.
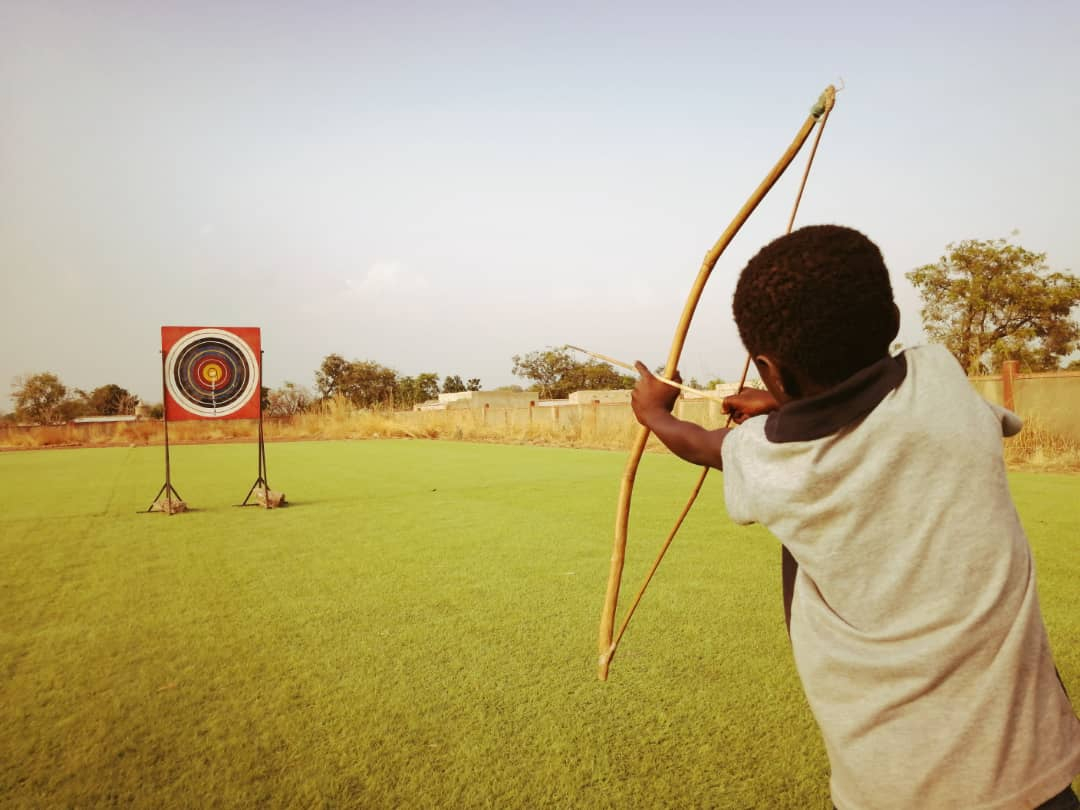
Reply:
x=819, y=300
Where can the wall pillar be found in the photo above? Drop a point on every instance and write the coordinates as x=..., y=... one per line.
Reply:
x=1009, y=370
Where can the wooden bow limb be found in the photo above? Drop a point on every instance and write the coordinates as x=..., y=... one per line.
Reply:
x=606, y=642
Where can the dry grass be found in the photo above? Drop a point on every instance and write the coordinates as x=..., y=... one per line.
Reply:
x=334, y=419
x=1034, y=449
x=1038, y=450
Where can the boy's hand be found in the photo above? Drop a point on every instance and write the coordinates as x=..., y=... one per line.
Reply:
x=651, y=396
x=652, y=401
x=749, y=402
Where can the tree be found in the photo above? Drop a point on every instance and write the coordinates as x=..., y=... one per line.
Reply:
x=427, y=386
x=473, y=384
x=39, y=398
x=546, y=369
x=288, y=400
x=557, y=374
x=331, y=376
x=111, y=400
x=594, y=375
x=412, y=391
x=453, y=384
x=370, y=384
x=990, y=300
x=364, y=383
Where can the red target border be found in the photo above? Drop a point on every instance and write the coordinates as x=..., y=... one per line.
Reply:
x=245, y=341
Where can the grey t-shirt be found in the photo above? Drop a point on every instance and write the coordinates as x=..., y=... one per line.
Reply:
x=915, y=624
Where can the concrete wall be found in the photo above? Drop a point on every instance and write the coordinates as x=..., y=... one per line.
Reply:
x=1050, y=400
x=605, y=397
x=478, y=399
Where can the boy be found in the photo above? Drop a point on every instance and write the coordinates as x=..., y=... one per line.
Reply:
x=914, y=620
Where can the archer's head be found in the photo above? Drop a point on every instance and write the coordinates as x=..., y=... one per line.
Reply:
x=813, y=308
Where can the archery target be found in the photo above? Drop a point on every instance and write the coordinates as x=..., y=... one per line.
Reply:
x=211, y=373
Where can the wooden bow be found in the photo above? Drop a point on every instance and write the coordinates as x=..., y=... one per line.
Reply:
x=608, y=642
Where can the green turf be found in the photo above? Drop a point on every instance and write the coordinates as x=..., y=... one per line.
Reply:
x=417, y=629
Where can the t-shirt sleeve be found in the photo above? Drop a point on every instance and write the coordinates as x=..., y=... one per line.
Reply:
x=736, y=489
x=1011, y=424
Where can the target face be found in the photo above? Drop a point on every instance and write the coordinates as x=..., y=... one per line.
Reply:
x=211, y=372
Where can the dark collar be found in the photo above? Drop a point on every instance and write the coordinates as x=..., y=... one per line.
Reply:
x=803, y=420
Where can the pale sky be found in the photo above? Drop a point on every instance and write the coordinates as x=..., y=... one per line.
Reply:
x=439, y=186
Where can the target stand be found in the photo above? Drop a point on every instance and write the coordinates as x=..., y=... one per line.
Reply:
x=210, y=373
x=264, y=496
x=172, y=503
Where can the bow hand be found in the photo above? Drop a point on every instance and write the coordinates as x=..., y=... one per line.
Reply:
x=651, y=397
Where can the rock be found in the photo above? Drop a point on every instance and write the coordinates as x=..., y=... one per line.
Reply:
x=170, y=506
x=269, y=498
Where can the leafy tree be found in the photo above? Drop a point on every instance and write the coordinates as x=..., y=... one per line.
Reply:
x=288, y=400
x=370, y=384
x=453, y=384
x=111, y=400
x=414, y=390
x=557, y=374
x=473, y=384
x=427, y=386
x=75, y=406
x=547, y=369
x=332, y=375
x=594, y=375
x=990, y=300
x=364, y=383
x=39, y=398
x=407, y=392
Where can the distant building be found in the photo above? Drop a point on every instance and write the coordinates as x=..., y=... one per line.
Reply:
x=93, y=420
x=478, y=399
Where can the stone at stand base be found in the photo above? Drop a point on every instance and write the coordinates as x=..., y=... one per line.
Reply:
x=170, y=506
x=269, y=498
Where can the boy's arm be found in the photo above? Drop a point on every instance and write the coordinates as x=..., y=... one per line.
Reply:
x=653, y=400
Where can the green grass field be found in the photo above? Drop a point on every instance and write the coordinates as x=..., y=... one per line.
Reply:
x=416, y=630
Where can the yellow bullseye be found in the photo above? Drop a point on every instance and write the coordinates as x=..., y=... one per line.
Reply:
x=212, y=372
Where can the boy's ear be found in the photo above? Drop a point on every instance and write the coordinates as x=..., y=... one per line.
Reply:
x=896, y=322
x=778, y=380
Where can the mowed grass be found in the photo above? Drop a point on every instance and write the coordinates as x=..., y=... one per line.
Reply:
x=416, y=630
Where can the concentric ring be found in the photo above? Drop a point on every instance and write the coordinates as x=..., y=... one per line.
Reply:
x=211, y=373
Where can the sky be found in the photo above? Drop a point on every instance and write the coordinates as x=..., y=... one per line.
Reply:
x=437, y=187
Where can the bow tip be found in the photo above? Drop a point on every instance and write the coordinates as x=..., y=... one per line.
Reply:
x=603, y=664
x=825, y=102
